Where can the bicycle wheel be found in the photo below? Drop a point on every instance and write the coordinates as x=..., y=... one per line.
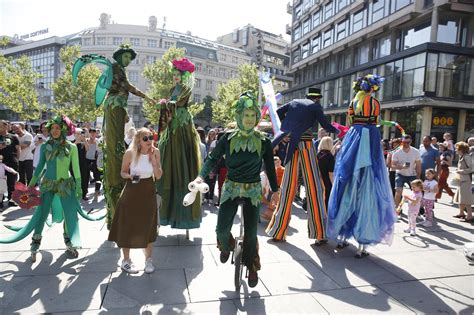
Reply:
x=239, y=267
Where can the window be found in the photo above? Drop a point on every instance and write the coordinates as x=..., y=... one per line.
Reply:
x=234, y=59
x=431, y=69
x=210, y=70
x=341, y=4
x=413, y=75
x=222, y=73
x=198, y=67
x=305, y=50
x=341, y=30
x=315, y=44
x=447, y=31
x=382, y=47
x=86, y=41
x=399, y=4
x=223, y=57
x=135, y=41
x=344, y=60
x=150, y=59
x=358, y=21
x=455, y=76
x=327, y=38
x=416, y=36
x=117, y=41
x=316, y=19
x=378, y=10
x=361, y=54
x=296, y=55
x=209, y=84
x=306, y=5
x=345, y=91
x=297, y=33
x=152, y=43
x=306, y=26
x=329, y=95
x=328, y=10
x=197, y=98
x=100, y=41
x=197, y=83
x=168, y=44
x=133, y=76
x=135, y=61
x=297, y=12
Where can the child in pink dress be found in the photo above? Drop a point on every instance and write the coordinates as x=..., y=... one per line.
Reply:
x=3, y=179
x=430, y=188
x=414, y=203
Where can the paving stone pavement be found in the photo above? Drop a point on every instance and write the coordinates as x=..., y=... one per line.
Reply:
x=424, y=274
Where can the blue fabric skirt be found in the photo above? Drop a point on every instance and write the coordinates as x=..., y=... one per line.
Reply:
x=361, y=203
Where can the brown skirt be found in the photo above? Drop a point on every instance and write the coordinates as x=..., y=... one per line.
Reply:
x=135, y=221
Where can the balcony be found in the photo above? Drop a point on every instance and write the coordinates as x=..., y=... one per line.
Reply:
x=289, y=8
x=288, y=29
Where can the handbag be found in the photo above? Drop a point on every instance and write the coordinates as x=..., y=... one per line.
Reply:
x=455, y=180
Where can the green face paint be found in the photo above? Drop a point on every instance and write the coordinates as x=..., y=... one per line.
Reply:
x=126, y=59
x=249, y=119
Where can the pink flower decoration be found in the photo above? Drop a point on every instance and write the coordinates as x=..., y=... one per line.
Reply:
x=71, y=128
x=163, y=101
x=183, y=65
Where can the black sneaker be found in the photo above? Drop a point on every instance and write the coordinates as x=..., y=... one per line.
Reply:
x=224, y=256
x=12, y=204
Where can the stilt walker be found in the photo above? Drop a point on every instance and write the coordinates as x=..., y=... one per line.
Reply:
x=114, y=87
x=57, y=154
x=361, y=203
x=297, y=118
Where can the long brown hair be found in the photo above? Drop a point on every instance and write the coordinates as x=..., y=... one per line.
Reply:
x=135, y=145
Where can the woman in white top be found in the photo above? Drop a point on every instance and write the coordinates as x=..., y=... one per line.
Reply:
x=38, y=140
x=135, y=221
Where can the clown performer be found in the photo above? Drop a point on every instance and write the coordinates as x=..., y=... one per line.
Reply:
x=115, y=117
x=361, y=202
x=244, y=150
x=57, y=155
x=180, y=154
x=298, y=116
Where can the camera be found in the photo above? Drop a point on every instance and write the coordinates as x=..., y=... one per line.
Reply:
x=135, y=179
x=407, y=164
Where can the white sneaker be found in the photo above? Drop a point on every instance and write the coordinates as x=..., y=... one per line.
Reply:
x=149, y=268
x=412, y=233
x=427, y=224
x=128, y=266
x=407, y=230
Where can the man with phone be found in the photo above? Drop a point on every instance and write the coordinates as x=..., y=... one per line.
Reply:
x=407, y=164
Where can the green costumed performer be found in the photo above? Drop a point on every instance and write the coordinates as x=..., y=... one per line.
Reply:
x=57, y=154
x=115, y=88
x=180, y=154
x=244, y=150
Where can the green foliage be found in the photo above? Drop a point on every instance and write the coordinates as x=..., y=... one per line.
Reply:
x=195, y=109
x=18, y=86
x=160, y=76
x=205, y=112
x=76, y=100
x=229, y=92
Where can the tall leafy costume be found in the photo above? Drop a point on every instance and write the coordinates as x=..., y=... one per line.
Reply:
x=59, y=190
x=180, y=154
x=114, y=87
x=361, y=203
x=244, y=150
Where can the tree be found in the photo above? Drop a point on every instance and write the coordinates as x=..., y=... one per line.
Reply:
x=229, y=92
x=205, y=112
x=160, y=75
x=76, y=100
x=18, y=86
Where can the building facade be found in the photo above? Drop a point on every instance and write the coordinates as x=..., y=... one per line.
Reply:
x=266, y=49
x=215, y=63
x=44, y=56
x=423, y=48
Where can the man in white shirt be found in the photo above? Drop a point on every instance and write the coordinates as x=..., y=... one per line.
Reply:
x=25, y=165
x=407, y=164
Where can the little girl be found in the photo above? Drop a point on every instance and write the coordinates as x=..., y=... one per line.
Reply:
x=414, y=203
x=3, y=179
x=430, y=188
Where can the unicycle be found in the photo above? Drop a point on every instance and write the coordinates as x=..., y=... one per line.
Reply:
x=237, y=257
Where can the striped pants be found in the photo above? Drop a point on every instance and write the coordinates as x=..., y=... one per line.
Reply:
x=304, y=157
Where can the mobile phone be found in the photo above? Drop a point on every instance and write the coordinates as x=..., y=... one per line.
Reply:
x=407, y=164
x=135, y=179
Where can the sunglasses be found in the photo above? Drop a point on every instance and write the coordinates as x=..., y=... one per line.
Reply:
x=146, y=138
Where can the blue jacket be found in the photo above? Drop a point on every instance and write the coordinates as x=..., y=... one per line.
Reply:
x=298, y=116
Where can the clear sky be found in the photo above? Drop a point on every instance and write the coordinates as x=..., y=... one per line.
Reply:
x=204, y=18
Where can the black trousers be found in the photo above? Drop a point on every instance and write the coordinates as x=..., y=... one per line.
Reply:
x=92, y=165
x=25, y=170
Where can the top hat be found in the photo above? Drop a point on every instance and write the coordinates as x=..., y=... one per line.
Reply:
x=313, y=92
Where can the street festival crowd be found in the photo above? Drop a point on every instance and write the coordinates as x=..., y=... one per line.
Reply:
x=354, y=185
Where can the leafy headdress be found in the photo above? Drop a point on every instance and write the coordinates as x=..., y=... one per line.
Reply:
x=67, y=127
x=59, y=147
